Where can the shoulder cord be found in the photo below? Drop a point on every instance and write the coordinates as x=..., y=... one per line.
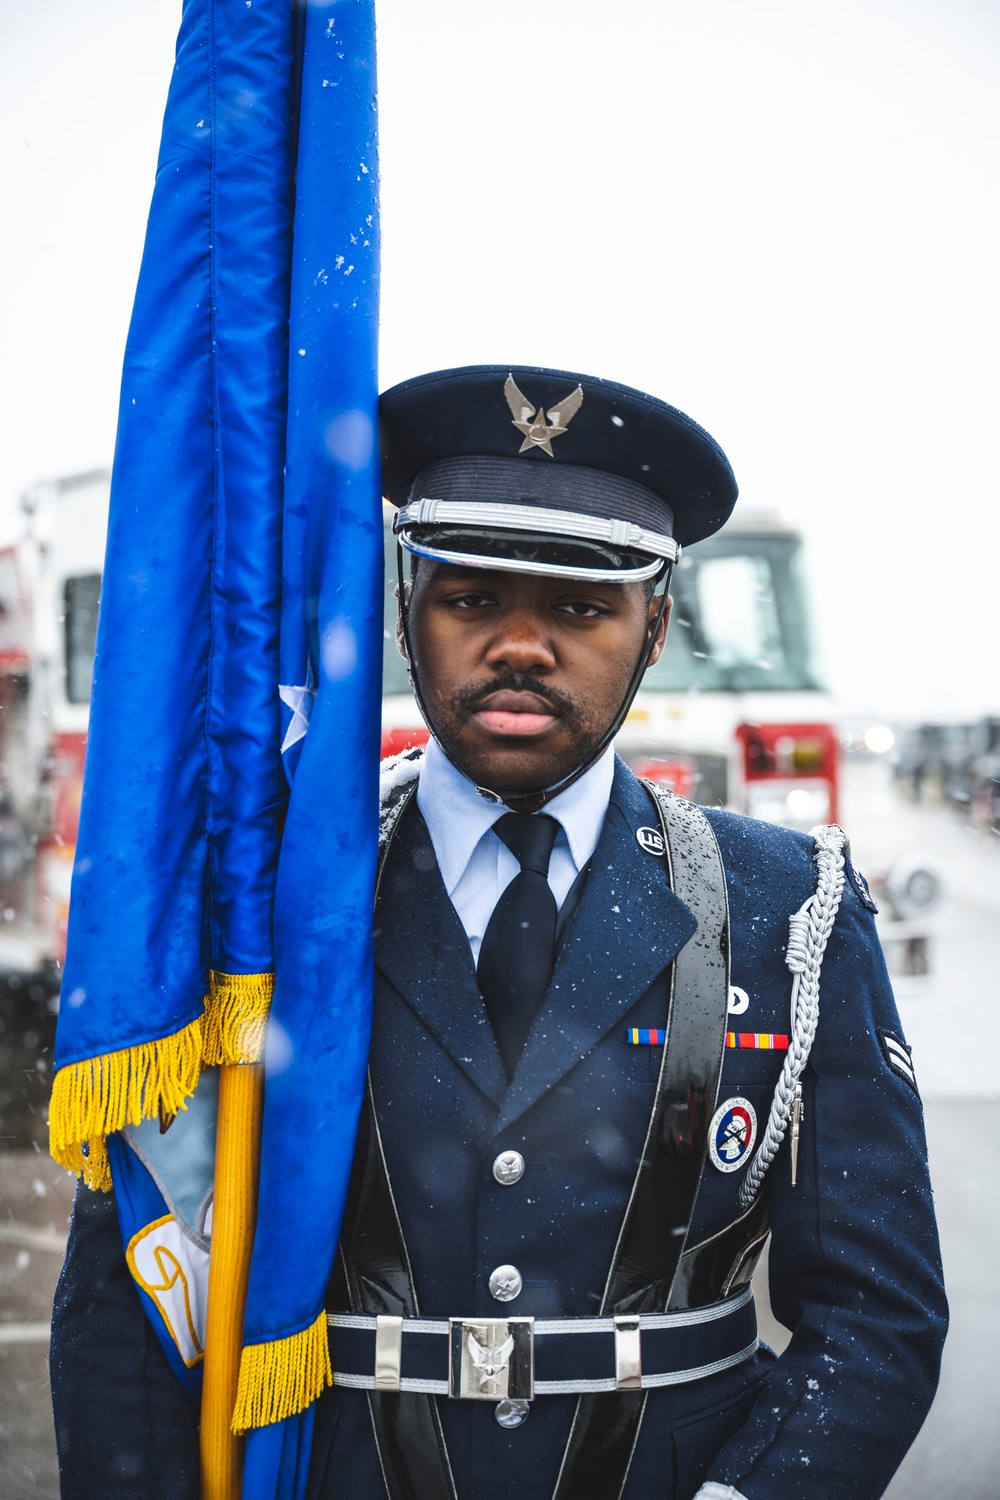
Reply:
x=808, y=933
x=397, y=774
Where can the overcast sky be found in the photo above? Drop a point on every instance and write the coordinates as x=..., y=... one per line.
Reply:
x=779, y=215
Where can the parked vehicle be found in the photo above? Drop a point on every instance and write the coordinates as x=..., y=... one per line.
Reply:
x=984, y=773
x=56, y=576
x=734, y=714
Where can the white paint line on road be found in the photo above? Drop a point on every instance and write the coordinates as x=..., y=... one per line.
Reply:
x=24, y=1333
x=32, y=1239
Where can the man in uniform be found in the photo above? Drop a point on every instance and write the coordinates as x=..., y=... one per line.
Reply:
x=568, y=1164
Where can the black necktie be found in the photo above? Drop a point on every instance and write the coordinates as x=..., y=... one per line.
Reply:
x=515, y=960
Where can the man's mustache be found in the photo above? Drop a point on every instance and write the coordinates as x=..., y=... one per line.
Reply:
x=472, y=697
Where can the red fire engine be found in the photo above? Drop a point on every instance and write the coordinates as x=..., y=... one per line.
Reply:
x=733, y=714
x=49, y=590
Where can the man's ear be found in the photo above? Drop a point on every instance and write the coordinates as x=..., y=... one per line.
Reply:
x=661, y=634
x=400, y=637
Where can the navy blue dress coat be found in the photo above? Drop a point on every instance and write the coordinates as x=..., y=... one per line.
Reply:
x=854, y=1264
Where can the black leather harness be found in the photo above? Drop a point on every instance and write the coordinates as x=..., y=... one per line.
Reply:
x=653, y=1270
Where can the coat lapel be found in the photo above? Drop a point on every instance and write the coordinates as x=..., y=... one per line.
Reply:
x=628, y=928
x=422, y=950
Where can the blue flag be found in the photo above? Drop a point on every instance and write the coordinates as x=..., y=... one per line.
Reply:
x=228, y=826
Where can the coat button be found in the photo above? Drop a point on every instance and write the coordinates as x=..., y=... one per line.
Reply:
x=511, y=1413
x=505, y=1283
x=508, y=1168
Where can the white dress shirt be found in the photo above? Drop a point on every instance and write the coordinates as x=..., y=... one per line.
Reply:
x=476, y=866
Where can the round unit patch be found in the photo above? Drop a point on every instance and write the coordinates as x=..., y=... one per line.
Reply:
x=651, y=839
x=732, y=1134
x=739, y=1000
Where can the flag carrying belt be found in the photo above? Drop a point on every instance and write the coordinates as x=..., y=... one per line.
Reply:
x=650, y=1332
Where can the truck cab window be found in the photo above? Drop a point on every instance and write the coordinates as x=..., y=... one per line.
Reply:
x=739, y=621
x=81, y=598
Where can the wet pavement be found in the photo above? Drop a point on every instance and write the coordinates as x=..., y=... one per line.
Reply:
x=947, y=1017
x=35, y=1201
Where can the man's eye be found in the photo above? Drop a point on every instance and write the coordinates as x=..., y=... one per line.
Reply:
x=470, y=601
x=581, y=609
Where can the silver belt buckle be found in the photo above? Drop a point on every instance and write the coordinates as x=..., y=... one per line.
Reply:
x=491, y=1359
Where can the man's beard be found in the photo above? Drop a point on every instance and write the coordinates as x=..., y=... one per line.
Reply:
x=451, y=716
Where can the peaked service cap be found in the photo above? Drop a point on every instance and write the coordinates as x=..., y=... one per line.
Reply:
x=548, y=471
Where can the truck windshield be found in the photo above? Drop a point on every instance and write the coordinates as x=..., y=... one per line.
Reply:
x=740, y=621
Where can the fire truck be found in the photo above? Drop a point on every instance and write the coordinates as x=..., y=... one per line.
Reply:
x=49, y=590
x=734, y=714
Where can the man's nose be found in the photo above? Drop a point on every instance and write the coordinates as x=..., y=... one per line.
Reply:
x=522, y=643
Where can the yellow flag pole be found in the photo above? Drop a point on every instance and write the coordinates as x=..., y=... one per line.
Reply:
x=234, y=1207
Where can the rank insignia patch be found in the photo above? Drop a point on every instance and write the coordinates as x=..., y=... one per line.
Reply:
x=758, y=1041
x=897, y=1055
x=732, y=1134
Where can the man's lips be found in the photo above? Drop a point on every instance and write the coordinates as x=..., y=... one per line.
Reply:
x=510, y=713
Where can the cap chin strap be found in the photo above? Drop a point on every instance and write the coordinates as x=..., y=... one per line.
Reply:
x=545, y=793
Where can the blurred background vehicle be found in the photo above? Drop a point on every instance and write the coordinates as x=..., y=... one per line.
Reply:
x=735, y=714
x=50, y=587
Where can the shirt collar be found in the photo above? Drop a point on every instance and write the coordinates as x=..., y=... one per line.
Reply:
x=457, y=817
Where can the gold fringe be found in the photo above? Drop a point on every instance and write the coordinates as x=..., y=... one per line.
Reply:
x=283, y=1377
x=94, y=1098
x=235, y=1018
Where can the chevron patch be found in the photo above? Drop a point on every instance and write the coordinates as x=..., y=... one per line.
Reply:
x=897, y=1055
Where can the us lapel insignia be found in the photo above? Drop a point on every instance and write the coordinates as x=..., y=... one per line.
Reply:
x=537, y=429
x=732, y=1134
x=651, y=839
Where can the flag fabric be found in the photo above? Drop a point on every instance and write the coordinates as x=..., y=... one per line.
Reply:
x=228, y=830
x=320, y=1020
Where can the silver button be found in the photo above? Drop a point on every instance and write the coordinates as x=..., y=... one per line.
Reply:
x=511, y=1413
x=508, y=1168
x=505, y=1283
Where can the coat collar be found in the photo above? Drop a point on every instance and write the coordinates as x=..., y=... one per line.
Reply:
x=627, y=929
x=422, y=950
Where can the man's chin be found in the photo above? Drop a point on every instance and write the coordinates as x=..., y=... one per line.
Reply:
x=520, y=767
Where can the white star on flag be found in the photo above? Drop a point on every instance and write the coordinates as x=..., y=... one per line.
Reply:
x=300, y=700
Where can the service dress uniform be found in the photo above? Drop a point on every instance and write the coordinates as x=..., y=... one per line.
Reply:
x=535, y=1174
x=543, y=1281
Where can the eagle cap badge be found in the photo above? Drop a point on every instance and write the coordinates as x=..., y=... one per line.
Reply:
x=538, y=429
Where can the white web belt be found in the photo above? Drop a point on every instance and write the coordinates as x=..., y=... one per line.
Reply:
x=495, y=1358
